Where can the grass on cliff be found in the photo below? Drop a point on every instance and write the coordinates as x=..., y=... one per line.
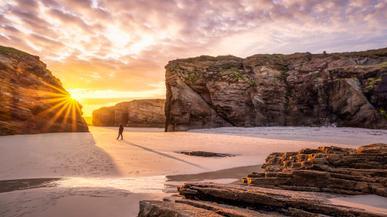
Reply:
x=383, y=113
x=373, y=82
x=236, y=74
x=383, y=64
x=9, y=51
x=192, y=77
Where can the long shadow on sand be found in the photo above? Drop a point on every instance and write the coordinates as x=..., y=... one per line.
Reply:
x=106, y=164
x=163, y=154
x=54, y=155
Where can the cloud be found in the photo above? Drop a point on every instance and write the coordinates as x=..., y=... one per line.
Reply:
x=124, y=45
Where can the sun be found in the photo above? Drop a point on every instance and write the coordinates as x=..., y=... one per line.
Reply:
x=69, y=99
x=64, y=110
x=75, y=95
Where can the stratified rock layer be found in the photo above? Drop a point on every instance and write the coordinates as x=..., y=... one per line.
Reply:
x=330, y=169
x=136, y=113
x=345, y=89
x=32, y=100
x=209, y=199
x=288, y=187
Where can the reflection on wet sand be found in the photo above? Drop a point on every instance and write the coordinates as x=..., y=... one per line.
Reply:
x=140, y=184
x=21, y=184
x=147, y=184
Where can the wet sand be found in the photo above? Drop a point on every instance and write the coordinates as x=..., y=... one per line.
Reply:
x=22, y=184
x=97, y=197
x=92, y=174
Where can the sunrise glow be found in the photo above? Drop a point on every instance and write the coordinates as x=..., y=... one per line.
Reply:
x=105, y=52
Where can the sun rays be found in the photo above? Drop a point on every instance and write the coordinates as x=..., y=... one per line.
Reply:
x=63, y=111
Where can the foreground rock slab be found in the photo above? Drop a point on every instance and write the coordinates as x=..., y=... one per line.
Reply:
x=32, y=100
x=330, y=169
x=301, y=89
x=178, y=206
x=202, y=199
x=305, y=183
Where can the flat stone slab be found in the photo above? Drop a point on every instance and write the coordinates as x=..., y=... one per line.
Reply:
x=209, y=199
x=205, y=154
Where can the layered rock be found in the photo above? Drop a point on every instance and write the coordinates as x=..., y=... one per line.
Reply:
x=344, y=89
x=209, y=199
x=290, y=186
x=32, y=100
x=330, y=169
x=136, y=113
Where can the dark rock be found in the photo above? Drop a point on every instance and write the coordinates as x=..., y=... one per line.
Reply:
x=209, y=199
x=345, y=89
x=32, y=100
x=330, y=169
x=205, y=154
x=136, y=113
x=177, y=206
x=163, y=208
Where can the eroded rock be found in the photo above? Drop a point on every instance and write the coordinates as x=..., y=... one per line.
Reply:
x=202, y=199
x=32, y=100
x=330, y=169
x=136, y=113
x=302, y=89
x=289, y=186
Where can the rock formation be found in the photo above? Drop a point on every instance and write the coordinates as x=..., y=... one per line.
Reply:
x=32, y=100
x=209, y=199
x=329, y=169
x=136, y=113
x=343, y=89
x=275, y=192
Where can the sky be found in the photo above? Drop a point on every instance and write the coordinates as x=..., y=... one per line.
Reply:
x=108, y=51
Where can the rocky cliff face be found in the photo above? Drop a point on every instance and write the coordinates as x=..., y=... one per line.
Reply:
x=136, y=113
x=32, y=100
x=344, y=89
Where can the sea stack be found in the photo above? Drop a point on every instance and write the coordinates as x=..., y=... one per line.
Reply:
x=32, y=100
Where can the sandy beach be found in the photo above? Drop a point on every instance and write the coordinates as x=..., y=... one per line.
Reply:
x=97, y=175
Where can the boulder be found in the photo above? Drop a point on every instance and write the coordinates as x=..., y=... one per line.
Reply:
x=343, y=89
x=136, y=113
x=32, y=100
x=361, y=170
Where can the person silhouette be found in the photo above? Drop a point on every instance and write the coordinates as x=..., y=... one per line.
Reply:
x=120, y=131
